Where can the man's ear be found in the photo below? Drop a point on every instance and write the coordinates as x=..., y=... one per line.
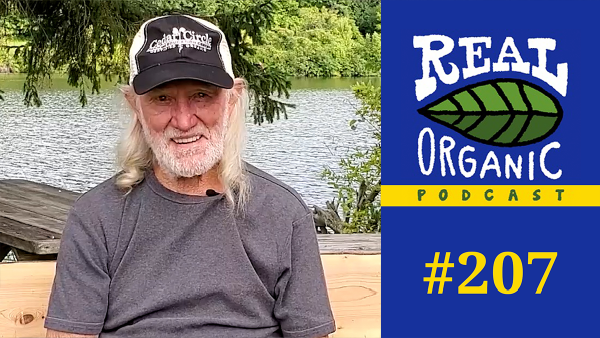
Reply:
x=131, y=98
x=235, y=92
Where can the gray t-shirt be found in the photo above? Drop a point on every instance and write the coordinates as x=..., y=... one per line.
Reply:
x=160, y=264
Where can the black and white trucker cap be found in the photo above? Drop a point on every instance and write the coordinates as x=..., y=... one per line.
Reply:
x=177, y=47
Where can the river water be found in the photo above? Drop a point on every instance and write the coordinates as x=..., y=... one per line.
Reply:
x=70, y=147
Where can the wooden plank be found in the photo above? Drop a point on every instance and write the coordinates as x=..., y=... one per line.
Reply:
x=353, y=281
x=27, y=202
x=15, y=193
x=28, y=238
x=27, y=256
x=354, y=286
x=43, y=187
x=42, y=190
x=33, y=219
x=356, y=244
x=24, y=293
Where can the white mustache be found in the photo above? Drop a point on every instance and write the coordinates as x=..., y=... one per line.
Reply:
x=189, y=162
x=176, y=133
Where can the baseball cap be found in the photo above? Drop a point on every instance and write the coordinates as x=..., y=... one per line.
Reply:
x=177, y=47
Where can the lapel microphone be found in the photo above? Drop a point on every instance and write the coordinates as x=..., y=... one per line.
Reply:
x=211, y=192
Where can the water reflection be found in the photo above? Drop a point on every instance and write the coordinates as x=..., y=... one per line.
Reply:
x=70, y=147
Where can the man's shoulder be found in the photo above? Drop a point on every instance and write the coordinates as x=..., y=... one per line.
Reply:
x=267, y=186
x=103, y=197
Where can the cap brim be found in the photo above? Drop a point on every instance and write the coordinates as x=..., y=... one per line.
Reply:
x=158, y=75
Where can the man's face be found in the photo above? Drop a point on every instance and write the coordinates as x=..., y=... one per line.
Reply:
x=184, y=122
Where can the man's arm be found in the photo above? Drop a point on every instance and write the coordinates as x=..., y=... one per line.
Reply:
x=59, y=334
x=81, y=273
x=302, y=304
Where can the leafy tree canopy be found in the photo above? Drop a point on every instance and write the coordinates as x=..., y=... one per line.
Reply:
x=89, y=40
x=317, y=41
x=366, y=13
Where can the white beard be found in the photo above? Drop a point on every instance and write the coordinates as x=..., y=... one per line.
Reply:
x=189, y=162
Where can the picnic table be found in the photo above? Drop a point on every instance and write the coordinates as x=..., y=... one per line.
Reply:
x=33, y=216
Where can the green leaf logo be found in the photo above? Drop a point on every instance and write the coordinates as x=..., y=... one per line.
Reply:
x=499, y=112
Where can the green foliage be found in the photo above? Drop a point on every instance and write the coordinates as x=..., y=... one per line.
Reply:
x=317, y=42
x=358, y=183
x=343, y=7
x=270, y=40
x=13, y=25
x=77, y=37
x=12, y=30
x=243, y=22
x=9, y=59
x=89, y=39
x=371, y=52
x=198, y=8
x=365, y=13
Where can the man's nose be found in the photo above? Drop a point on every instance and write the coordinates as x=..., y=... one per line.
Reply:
x=184, y=117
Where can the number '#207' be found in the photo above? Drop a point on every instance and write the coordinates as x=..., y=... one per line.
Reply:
x=498, y=278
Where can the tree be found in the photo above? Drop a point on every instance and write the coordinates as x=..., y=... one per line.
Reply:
x=89, y=39
x=358, y=183
x=366, y=13
x=312, y=41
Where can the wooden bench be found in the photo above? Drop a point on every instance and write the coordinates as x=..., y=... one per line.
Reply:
x=32, y=217
x=354, y=283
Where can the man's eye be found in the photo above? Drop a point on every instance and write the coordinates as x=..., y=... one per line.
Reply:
x=199, y=95
x=162, y=98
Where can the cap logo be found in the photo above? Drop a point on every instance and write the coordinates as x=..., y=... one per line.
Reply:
x=181, y=37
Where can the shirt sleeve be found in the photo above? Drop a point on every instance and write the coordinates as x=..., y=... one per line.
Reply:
x=79, y=296
x=302, y=306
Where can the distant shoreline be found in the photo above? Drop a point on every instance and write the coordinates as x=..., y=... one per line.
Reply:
x=14, y=82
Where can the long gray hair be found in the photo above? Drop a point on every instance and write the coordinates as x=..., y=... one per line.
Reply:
x=135, y=157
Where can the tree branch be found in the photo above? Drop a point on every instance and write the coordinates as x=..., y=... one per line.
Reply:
x=371, y=197
x=374, y=193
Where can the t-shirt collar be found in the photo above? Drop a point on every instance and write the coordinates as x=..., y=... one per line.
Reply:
x=164, y=192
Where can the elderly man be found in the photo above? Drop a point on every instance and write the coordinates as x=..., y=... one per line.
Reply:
x=188, y=240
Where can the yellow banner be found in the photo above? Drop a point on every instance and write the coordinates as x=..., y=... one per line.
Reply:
x=490, y=195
